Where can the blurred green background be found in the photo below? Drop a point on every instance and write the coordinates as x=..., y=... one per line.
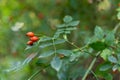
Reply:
x=17, y=17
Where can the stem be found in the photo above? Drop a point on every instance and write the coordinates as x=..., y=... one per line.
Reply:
x=78, y=48
x=90, y=67
x=94, y=75
x=116, y=27
x=37, y=72
x=54, y=46
x=73, y=44
x=34, y=74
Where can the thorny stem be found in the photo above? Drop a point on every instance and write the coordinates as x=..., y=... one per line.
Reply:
x=91, y=66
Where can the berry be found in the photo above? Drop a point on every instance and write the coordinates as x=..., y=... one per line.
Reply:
x=30, y=43
x=30, y=34
x=34, y=38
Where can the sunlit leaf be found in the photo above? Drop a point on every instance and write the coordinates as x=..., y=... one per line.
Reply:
x=67, y=19
x=105, y=67
x=56, y=63
x=46, y=54
x=65, y=52
x=74, y=23
x=105, y=53
x=110, y=38
x=99, y=33
x=112, y=59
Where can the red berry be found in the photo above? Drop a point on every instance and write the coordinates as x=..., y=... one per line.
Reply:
x=30, y=34
x=34, y=38
x=30, y=43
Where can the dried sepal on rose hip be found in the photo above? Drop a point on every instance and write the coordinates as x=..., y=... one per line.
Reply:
x=30, y=34
x=34, y=38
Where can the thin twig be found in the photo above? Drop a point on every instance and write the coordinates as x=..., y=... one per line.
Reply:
x=90, y=67
x=80, y=49
x=54, y=46
x=37, y=72
x=116, y=27
x=94, y=75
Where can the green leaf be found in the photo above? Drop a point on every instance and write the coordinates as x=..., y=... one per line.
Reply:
x=75, y=56
x=105, y=75
x=105, y=67
x=56, y=35
x=56, y=63
x=59, y=41
x=105, y=53
x=47, y=44
x=58, y=32
x=62, y=75
x=46, y=54
x=43, y=45
x=108, y=76
x=112, y=59
x=61, y=26
x=118, y=15
x=115, y=67
x=65, y=52
x=110, y=38
x=29, y=58
x=73, y=23
x=71, y=28
x=67, y=19
x=42, y=62
x=67, y=32
x=44, y=38
x=98, y=46
x=99, y=33
x=118, y=9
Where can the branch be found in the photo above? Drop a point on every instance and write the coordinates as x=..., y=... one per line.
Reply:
x=91, y=66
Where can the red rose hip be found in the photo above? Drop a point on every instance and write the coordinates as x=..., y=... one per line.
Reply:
x=34, y=38
x=30, y=43
x=30, y=34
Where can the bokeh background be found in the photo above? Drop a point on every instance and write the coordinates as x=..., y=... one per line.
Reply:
x=17, y=17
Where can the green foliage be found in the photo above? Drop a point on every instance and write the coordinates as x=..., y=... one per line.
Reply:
x=105, y=53
x=112, y=59
x=67, y=19
x=105, y=67
x=67, y=27
x=110, y=38
x=99, y=33
x=56, y=63
x=46, y=54
x=64, y=46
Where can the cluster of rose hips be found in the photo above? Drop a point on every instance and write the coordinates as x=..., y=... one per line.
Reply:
x=32, y=38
